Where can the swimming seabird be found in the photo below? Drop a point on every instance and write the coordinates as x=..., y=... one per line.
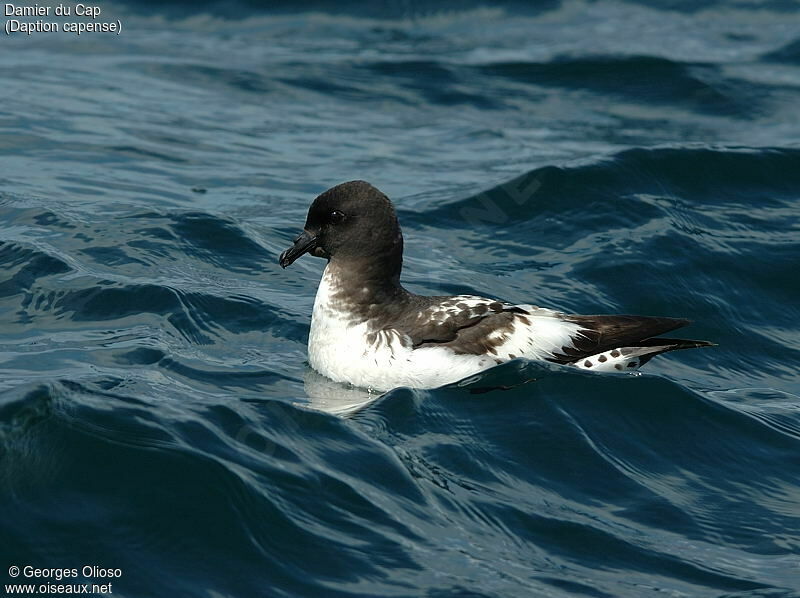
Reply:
x=369, y=331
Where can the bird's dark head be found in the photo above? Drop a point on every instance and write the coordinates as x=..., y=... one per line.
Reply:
x=352, y=221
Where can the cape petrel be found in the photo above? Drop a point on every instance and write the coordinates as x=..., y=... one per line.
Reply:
x=369, y=331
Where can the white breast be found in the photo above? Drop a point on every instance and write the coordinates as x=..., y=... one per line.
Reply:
x=338, y=348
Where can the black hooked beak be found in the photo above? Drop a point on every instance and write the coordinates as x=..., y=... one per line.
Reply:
x=303, y=244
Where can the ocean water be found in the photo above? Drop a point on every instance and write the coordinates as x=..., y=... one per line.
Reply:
x=158, y=415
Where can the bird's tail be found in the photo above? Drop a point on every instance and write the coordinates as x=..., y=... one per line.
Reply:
x=631, y=358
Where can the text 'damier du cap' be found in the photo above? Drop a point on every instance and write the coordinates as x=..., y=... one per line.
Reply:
x=75, y=18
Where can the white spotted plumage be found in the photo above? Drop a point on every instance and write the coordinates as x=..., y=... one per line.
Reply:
x=621, y=359
x=339, y=345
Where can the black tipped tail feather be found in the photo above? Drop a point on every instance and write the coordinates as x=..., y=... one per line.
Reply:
x=636, y=334
x=657, y=346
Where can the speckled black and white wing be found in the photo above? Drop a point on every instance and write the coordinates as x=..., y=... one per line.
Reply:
x=468, y=325
x=465, y=324
x=622, y=342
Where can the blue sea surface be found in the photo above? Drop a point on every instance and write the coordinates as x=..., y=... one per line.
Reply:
x=157, y=411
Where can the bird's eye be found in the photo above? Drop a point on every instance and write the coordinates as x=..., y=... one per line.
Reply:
x=336, y=217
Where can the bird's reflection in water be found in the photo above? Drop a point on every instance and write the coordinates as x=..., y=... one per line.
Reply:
x=334, y=397
x=344, y=399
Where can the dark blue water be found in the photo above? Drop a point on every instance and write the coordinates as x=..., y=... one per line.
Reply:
x=157, y=414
